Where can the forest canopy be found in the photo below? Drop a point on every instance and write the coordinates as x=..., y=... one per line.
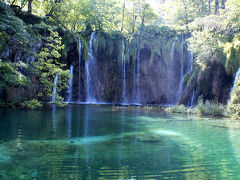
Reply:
x=128, y=16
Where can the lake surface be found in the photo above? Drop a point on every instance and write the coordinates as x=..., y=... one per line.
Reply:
x=95, y=142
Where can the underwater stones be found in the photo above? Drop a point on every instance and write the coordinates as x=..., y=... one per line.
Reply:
x=4, y=156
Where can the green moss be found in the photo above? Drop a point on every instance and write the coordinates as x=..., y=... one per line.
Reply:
x=132, y=44
x=32, y=104
x=101, y=42
x=84, y=49
x=127, y=52
x=67, y=41
x=166, y=47
x=232, y=51
x=3, y=40
x=11, y=76
x=209, y=108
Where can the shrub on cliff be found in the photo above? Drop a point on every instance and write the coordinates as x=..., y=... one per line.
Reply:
x=11, y=26
x=47, y=68
x=32, y=104
x=11, y=76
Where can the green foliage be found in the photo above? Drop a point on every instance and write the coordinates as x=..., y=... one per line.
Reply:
x=209, y=108
x=59, y=101
x=32, y=104
x=178, y=109
x=232, y=51
x=12, y=25
x=67, y=40
x=84, y=49
x=11, y=76
x=47, y=66
x=206, y=48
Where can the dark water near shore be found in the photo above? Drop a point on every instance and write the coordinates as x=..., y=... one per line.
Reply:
x=94, y=142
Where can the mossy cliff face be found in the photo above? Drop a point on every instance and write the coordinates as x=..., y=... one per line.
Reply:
x=155, y=50
x=154, y=61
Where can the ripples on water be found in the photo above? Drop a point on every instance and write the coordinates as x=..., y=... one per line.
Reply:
x=94, y=142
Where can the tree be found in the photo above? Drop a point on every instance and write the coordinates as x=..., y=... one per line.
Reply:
x=47, y=67
x=30, y=6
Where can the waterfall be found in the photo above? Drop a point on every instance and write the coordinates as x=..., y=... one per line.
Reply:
x=234, y=84
x=188, y=70
x=169, y=95
x=138, y=96
x=90, y=71
x=70, y=85
x=79, y=67
x=180, y=87
x=192, y=99
x=134, y=84
x=124, y=98
x=54, y=88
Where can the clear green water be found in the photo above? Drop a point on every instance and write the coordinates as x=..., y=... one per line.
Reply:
x=94, y=142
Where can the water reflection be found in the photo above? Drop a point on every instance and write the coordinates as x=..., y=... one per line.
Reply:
x=78, y=135
x=234, y=137
x=86, y=134
x=69, y=121
x=94, y=142
x=121, y=136
x=54, y=127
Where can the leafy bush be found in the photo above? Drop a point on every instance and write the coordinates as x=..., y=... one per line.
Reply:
x=12, y=25
x=178, y=109
x=59, y=101
x=47, y=67
x=10, y=76
x=209, y=108
x=32, y=104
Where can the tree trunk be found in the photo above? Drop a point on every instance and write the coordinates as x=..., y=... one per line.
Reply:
x=216, y=7
x=123, y=15
x=30, y=6
x=143, y=16
x=13, y=2
x=134, y=22
x=209, y=6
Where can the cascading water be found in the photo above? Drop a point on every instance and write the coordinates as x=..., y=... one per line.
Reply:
x=134, y=85
x=124, y=98
x=179, y=92
x=138, y=96
x=192, y=99
x=188, y=70
x=234, y=84
x=54, y=89
x=170, y=98
x=70, y=85
x=90, y=72
x=79, y=67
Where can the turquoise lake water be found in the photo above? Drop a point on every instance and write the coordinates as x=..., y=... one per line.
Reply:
x=95, y=142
